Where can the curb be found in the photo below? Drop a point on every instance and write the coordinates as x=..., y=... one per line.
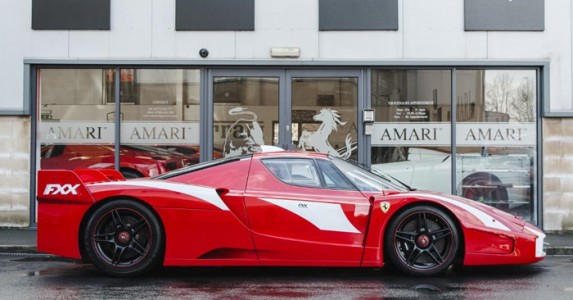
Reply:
x=11, y=249
x=562, y=250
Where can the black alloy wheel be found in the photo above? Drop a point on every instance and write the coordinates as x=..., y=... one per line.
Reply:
x=124, y=238
x=422, y=240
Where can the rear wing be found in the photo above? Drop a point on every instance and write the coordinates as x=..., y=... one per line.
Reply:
x=70, y=186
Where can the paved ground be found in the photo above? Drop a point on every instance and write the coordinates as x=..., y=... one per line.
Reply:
x=45, y=277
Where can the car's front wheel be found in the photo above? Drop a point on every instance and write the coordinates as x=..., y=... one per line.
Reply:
x=422, y=240
x=124, y=238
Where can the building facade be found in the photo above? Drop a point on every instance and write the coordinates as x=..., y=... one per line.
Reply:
x=471, y=98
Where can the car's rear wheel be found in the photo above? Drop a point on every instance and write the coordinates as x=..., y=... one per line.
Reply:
x=422, y=240
x=124, y=238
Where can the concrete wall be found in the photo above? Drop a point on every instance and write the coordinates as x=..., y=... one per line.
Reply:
x=14, y=171
x=428, y=31
x=558, y=174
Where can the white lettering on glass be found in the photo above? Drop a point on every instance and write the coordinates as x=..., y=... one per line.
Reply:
x=76, y=132
x=163, y=133
x=467, y=134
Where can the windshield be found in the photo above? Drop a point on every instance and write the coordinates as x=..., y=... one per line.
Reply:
x=368, y=180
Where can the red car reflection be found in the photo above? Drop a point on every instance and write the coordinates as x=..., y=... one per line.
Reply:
x=191, y=152
x=135, y=161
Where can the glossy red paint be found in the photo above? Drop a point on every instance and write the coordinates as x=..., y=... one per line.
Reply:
x=145, y=161
x=58, y=228
x=237, y=213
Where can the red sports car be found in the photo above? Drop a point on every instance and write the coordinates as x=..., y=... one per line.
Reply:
x=135, y=161
x=271, y=209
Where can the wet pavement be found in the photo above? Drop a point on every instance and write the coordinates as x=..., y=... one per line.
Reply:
x=28, y=276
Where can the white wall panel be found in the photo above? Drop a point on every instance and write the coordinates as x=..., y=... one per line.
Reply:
x=221, y=44
x=89, y=44
x=130, y=35
x=435, y=29
x=49, y=44
x=369, y=45
x=163, y=34
x=15, y=42
x=284, y=15
x=259, y=45
x=280, y=23
x=555, y=46
x=427, y=30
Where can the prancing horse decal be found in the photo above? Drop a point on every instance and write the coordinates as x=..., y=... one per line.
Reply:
x=318, y=140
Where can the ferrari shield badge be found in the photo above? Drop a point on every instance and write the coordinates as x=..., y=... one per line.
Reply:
x=385, y=206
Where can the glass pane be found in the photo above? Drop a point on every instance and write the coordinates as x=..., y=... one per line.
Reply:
x=333, y=178
x=300, y=172
x=324, y=114
x=496, y=139
x=76, y=128
x=245, y=109
x=160, y=120
x=411, y=137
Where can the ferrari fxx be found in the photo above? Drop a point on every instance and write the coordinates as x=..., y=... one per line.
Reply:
x=271, y=209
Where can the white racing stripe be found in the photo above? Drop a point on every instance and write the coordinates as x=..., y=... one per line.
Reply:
x=325, y=216
x=206, y=194
x=486, y=219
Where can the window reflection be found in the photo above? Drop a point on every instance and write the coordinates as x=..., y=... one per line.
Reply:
x=496, y=139
x=324, y=114
x=412, y=136
x=245, y=109
x=160, y=120
x=159, y=114
x=74, y=129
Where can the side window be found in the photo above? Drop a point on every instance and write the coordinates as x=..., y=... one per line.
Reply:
x=300, y=172
x=333, y=178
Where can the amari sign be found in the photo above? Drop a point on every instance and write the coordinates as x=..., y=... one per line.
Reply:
x=467, y=134
x=164, y=133
x=131, y=133
x=76, y=133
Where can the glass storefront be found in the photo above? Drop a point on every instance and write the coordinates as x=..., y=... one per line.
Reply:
x=159, y=121
x=244, y=110
x=496, y=139
x=412, y=138
x=476, y=139
x=495, y=130
x=324, y=114
x=76, y=128
x=158, y=117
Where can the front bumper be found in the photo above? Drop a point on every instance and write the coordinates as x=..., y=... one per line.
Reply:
x=539, y=241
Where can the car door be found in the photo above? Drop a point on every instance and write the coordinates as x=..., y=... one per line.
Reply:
x=303, y=211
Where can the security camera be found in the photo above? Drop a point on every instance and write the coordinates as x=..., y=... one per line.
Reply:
x=203, y=52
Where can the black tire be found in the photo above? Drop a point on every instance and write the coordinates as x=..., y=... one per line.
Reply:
x=422, y=241
x=124, y=238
